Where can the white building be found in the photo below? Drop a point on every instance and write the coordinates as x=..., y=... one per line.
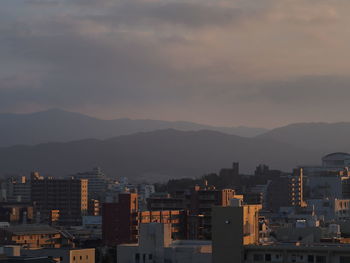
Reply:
x=156, y=246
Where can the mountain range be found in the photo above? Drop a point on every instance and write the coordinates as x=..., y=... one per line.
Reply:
x=60, y=143
x=57, y=125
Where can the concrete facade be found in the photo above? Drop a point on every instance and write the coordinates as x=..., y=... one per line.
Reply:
x=156, y=246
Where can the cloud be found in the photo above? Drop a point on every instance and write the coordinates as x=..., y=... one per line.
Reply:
x=193, y=60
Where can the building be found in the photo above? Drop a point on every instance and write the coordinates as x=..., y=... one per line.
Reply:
x=97, y=183
x=329, y=185
x=198, y=202
x=156, y=245
x=286, y=191
x=331, y=163
x=6, y=259
x=145, y=191
x=231, y=242
x=15, y=189
x=66, y=198
x=94, y=207
x=120, y=221
x=117, y=227
x=178, y=220
x=63, y=255
x=330, y=209
x=33, y=237
x=233, y=227
x=17, y=213
x=288, y=253
x=336, y=160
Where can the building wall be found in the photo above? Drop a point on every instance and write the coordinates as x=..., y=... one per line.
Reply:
x=156, y=245
x=30, y=239
x=82, y=255
x=69, y=196
x=198, y=202
x=233, y=227
x=227, y=234
x=117, y=227
x=63, y=255
x=292, y=253
x=286, y=191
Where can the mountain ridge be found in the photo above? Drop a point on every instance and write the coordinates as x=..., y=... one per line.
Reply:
x=156, y=155
x=57, y=125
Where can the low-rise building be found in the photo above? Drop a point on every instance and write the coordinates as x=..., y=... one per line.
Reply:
x=156, y=245
x=33, y=236
x=63, y=255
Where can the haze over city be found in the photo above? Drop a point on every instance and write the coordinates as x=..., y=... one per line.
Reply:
x=167, y=131
x=263, y=63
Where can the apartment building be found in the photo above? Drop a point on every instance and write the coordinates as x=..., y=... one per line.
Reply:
x=66, y=198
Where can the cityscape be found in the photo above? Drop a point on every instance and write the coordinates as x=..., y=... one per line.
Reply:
x=174, y=131
x=268, y=216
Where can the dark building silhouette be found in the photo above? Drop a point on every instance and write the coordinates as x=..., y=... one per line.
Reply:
x=67, y=198
x=286, y=191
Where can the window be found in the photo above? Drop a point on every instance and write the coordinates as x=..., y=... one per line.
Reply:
x=137, y=258
x=150, y=257
x=321, y=259
x=343, y=259
x=258, y=257
x=74, y=258
x=310, y=258
x=267, y=257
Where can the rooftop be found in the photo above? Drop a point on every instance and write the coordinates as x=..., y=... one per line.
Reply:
x=31, y=229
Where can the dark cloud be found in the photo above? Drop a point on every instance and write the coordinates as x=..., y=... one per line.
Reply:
x=191, y=14
x=193, y=60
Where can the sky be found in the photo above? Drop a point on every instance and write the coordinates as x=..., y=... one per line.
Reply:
x=263, y=63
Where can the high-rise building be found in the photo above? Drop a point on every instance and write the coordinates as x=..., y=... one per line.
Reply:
x=286, y=191
x=67, y=197
x=97, y=183
x=117, y=225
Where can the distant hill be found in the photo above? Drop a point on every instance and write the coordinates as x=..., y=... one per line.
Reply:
x=154, y=155
x=325, y=137
x=62, y=126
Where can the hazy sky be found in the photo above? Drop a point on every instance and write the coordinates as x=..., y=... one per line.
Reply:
x=236, y=62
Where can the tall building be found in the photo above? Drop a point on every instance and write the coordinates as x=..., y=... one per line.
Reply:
x=286, y=191
x=97, y=183
x=233, y=227
x=117, y=225
x=67, y=198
